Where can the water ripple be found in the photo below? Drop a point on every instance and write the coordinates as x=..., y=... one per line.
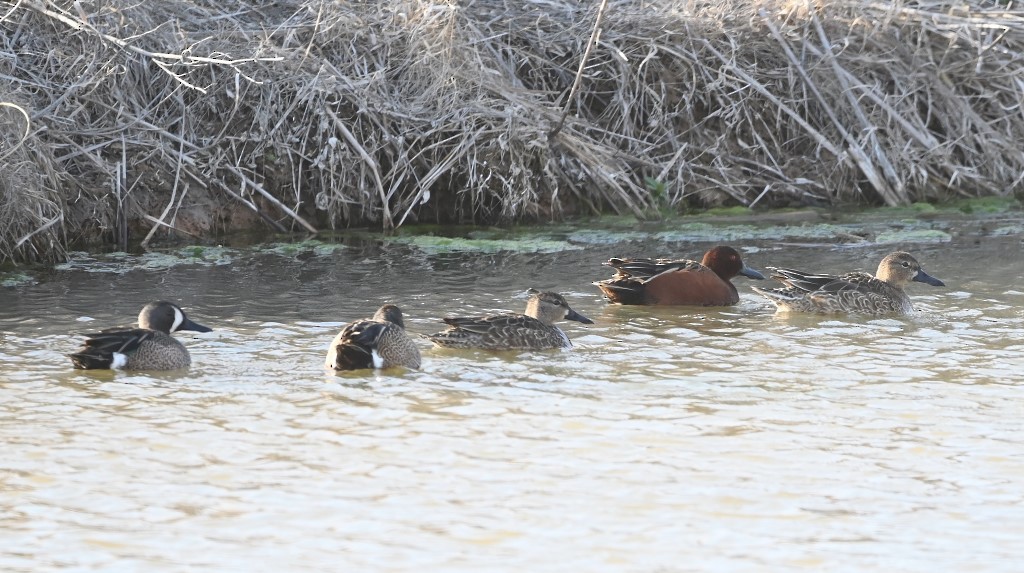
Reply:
x=667, y=440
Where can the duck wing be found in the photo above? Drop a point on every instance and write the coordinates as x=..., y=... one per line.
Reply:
x=646, y=269
x=353, y=347
x=98, y=350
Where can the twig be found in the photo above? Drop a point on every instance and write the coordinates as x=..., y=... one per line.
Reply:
x=351, y=139
x=594, y=35
x=120, y=182
x=889, y=185
x=423, y=185
x=174, y=192
x=11, y=11
x=814, y=133
x=187, y=59
x=758, y=198
x=160, y=223
x=252, y=206
x=24, y=136
x=259, y=189
x=47, y=225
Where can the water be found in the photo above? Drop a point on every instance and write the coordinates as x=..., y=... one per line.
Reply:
x=668, y=440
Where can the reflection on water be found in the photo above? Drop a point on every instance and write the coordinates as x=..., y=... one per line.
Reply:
x=667, y=440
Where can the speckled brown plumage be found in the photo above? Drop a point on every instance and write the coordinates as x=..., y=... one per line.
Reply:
x=857, y=293
x=533, y=330
x=378, y=342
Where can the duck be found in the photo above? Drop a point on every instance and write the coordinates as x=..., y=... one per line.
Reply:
x=532, y=330
x=856, y=293
x=148, y=347
x=677, y=281
x=377, y=342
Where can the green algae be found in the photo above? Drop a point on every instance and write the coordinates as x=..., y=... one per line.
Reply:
x=987, y=205
x=708, y=232
x=600, y=237
x=432, y=244
x=16, y=279
x=907, y=213
x=728, y=225
x=915, y=223
x=1007, y=230
x=737, y=211
x=121, y=262
x=918, y=223
x=192, y=255
x=200, y=255
x=916, y=211
x=607, y=222
x=913, y=236
x=316, y=247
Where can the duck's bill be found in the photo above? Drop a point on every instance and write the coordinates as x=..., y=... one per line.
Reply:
x=751, y=273
x=923, y=277
x=195, y=326
x=573, y=315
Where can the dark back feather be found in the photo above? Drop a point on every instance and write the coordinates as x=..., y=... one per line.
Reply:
x=98, y=350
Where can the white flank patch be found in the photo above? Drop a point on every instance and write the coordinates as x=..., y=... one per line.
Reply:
x=378, y=362
x=119, y=361
x=179, y=317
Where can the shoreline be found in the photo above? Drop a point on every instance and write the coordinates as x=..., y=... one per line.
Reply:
x=152, y=124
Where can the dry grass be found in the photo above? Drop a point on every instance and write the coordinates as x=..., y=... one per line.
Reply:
x=186, y=118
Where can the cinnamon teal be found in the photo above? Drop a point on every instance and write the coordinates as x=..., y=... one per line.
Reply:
x=533, y=330
x=856, y=292
x=148, y=347
x=679, y=281
x=378, y=342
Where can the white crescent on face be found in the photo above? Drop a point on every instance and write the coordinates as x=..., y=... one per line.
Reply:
x=179, y=317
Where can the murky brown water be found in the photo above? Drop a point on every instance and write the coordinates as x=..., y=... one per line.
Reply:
x=668, y=440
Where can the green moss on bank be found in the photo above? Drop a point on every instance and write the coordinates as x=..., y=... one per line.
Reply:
x=881, y=226
x=16, y=279
x=431, y=244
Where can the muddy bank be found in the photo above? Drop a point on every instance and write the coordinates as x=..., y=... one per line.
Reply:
x=148, y=123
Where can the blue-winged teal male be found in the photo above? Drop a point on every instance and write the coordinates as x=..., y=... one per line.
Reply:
x=857, y=292
x=378, y=342
x=679, y=281
x=149, y=347
x=534, y=330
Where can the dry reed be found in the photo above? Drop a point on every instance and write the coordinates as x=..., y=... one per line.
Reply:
x=132, y=121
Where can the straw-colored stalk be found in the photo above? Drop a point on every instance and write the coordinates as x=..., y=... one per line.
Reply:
x=142, y=121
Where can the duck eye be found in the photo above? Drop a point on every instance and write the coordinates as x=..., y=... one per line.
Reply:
x=906, y=264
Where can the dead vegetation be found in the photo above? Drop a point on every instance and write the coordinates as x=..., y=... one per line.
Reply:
x=136, y=121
